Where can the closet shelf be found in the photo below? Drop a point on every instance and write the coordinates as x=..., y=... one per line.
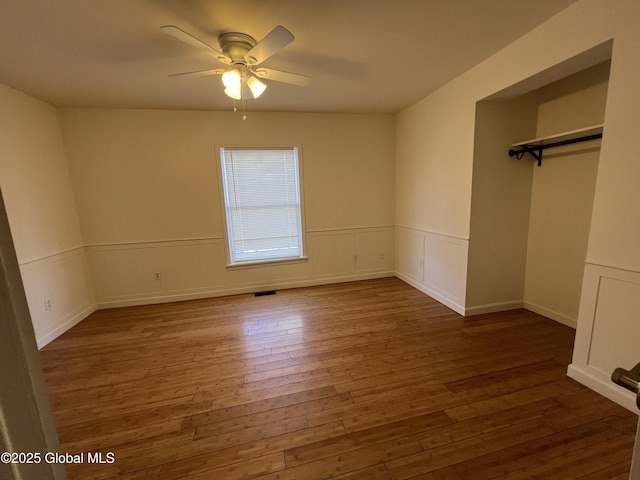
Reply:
x=535, y=146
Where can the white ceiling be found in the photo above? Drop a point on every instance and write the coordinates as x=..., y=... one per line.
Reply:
x=364, y=56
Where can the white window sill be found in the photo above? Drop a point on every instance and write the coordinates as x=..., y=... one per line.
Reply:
x=265, y=263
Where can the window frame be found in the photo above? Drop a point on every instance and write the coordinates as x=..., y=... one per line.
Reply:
x=230, y=265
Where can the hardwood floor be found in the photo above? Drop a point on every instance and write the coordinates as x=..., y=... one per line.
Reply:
x=367, y=380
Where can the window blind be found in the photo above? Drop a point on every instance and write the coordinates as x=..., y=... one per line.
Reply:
x=262, y=201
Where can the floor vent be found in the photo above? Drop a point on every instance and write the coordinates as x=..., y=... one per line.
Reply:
x=262, y=294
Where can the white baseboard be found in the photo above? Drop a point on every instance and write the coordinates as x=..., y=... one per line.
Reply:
x=66, y=323
x=603, y=385
x=448, y=302
x=233, y=290
x=553, y=315
x=493, y=307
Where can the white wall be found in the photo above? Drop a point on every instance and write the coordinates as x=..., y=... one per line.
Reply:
x=147, y=184
x=434, y=164
x=35, y=183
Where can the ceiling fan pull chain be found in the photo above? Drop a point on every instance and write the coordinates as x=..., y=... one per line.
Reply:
x=244, y=115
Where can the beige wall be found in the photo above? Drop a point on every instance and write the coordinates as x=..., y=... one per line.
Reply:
x=34, y=178
x=573, y=102
x=434, y=141
x=562, y=195
x=500, y=204
x=434, y=165
x=530, y=224
x=147, y=184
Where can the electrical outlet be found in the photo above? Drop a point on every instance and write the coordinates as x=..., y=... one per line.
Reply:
x=157, y=276
x=47, y=304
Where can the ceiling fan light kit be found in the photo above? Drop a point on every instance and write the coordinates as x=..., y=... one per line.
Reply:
x=242, y=53
x=256, y=86
x=234, y=79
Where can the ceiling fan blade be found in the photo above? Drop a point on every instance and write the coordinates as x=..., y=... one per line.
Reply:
x=200, y=73
x=285, y=77
x=276, y=39
x=194, y=42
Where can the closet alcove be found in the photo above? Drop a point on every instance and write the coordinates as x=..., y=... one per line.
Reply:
x=530, y=220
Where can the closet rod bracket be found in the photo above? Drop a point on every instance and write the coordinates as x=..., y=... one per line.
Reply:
x=535, y=152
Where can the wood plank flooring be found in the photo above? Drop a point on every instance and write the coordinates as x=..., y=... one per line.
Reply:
x=366, y=380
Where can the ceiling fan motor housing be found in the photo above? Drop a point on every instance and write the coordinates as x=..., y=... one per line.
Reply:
x=236, y=45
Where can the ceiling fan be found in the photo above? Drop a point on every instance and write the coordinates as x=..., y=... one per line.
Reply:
x=243, y=55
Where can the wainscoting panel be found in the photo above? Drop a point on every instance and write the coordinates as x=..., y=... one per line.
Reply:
x=156, y=272
x=265, y=277
x=58, y=291
x=607, y=331
x=374, y=250
x=188, y=267
x=435, y=264
x=124, y=271
x=445, y=271
x=332, y=253
x=410, y=254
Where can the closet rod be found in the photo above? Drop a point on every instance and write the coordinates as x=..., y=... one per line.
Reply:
x=536, y=150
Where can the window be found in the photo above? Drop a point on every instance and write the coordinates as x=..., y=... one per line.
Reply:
x=262, y=202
